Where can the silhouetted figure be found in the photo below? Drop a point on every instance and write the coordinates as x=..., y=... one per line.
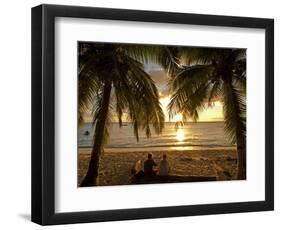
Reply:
x=164, y=167
x=137, y=170
x=148, y=166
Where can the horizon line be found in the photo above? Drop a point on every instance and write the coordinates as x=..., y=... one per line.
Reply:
x=167, y=121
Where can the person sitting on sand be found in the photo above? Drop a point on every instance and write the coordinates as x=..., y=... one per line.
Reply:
x=137, y=170
x=148, y=166
x=164, y=167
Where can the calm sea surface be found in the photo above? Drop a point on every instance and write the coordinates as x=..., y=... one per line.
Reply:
x=201, y=135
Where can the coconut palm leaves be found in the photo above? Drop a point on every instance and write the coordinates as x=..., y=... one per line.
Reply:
x=137, y=96
x=190, y=91
x=165, y=56
x=210, y=75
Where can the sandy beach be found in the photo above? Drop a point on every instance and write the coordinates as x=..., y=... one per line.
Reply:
x=115, y=167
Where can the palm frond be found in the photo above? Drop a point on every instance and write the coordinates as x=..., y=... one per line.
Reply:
x=142, y=53
x=234, y=108
x=138, y=96
x=239, y=73
x=168, y=57
x=189, y=91
x=96, y=113
x=88, y=87
x=201, y=55
x=215, y=92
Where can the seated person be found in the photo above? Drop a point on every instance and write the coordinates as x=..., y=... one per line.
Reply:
x=164, y=167
x=138, y=172
x=148, y=166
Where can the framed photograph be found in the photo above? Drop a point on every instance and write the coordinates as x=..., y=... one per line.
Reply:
x=142, y=114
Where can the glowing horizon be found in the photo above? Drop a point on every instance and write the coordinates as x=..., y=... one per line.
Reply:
x=210, y=114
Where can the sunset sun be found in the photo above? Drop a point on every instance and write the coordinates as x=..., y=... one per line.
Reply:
x=180, y=134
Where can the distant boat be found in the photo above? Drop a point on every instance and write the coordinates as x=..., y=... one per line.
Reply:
x=87, y=133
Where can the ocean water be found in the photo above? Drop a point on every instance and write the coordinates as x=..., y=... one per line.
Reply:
x=200, y=135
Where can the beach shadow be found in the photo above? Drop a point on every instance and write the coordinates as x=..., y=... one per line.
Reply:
x=25, y=216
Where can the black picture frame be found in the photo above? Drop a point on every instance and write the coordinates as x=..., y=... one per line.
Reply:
x=43, y=114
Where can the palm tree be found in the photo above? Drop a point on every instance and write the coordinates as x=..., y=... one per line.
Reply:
x=208, y=75
x=112, y=79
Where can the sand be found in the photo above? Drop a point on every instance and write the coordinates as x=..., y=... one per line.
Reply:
x=115, y=167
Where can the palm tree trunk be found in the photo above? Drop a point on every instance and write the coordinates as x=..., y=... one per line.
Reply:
x=241, y=155
x=240, y=137
x=92, y=173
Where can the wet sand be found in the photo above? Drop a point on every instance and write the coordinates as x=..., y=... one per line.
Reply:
x=115, y=167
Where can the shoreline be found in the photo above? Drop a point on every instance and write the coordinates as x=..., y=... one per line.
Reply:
x=157, y=149
x=115, y=166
